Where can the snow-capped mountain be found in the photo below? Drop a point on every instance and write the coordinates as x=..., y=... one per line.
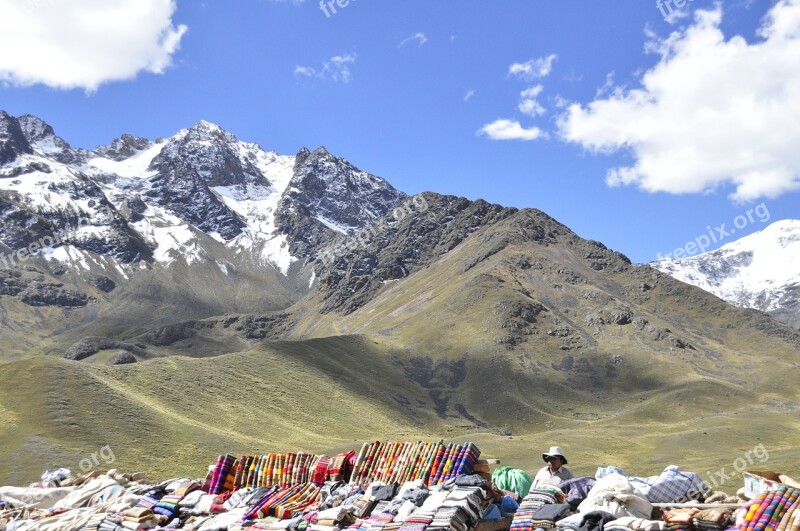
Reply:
x=139, y=203
x=761, y=271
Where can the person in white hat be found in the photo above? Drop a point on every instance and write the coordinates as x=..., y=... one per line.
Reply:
x=555, y=472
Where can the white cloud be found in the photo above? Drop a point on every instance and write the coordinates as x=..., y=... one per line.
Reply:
x=502, y=129
x=85, y=43
x=419, y=37
x=712, y=112
x=304, y=71
x=337, y=69
x=469, y=94
x=533, y=69
x=561, y=102
x=528, y=103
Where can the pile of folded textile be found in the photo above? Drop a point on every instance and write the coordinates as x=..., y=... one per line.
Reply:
x=284, y=503
x=713, y=519
x=775, y=510
x=680, y=519
x=546, y=516
x=536, y=498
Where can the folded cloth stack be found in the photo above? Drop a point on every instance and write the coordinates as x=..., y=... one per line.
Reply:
x=141, y=518
x=112, y=523
x=218, y=505
x=680, y=519
x=536, y=498
x=341, y=466
x=95, y=521
x=284, y=503
x=363, y=506
x=417, y=522
x=320, y=470
x=454, y=517
x=333, y=494
x=337, y=516
x=150, y=498
x=774, y=510
x=168, y=506
x=713, y=519
x=460, y=511
x=570, y=523
x=615, y=494
x=595, y=521
x=547, y=515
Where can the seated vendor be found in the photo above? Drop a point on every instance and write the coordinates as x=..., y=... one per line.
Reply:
x=554, y=473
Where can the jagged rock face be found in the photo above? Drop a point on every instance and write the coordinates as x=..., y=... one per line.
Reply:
x=328, y=195
x=330, y=188
x=48, y=294
x=409, y=237
x=20, y=226
x=213, y=155
x=41, y=135
x=24, y=226
x=123, y=147
x=183, y=191
x=12, y=139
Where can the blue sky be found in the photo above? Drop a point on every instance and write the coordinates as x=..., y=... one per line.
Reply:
x=412, y=90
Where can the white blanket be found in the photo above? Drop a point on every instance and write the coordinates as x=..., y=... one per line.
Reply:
x=614, y=494
x=33, y=497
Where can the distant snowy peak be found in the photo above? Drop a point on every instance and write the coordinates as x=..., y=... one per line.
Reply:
x=178, y=198
x=45, y=142
x=336, y=193
x=217, y=156
x=761, y=270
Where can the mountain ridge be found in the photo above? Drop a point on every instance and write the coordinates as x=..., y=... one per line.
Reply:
x=300, y=272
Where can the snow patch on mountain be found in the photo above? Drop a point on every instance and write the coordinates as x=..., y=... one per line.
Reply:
x=134, y=167
x=761, y=270
x=171, y=237
x=257, y=205
x=43, y=189
x=333, y=225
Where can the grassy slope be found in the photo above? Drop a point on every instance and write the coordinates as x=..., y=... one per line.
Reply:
x=171, y=416
x=426, y=362
x=705, y=406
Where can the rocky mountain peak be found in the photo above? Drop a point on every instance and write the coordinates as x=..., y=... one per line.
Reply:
x=35, y=128
x=123, y=147
x=217, y=156
x=329, y=188
x=12, y=139
x=205, y=131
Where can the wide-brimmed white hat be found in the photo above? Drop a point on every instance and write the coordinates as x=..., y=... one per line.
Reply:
x=555, y=451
